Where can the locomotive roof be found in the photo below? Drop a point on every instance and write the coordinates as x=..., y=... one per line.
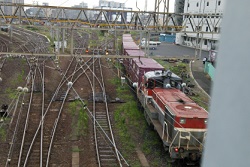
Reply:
x=147, y=63
x=160, y=73
x=135, y=52
x=179, y=104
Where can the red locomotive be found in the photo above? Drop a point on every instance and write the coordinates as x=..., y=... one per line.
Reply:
x=178, y=120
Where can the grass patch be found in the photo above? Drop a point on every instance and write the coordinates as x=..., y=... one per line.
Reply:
x=2, y=134
x=18, y=78
x=133, y=129
x=134, y=132
x=81, y=123
x=76, y=149
x=127, y=117
x=11, y=93
x=31, y=28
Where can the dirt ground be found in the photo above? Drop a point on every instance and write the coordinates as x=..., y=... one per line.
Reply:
x=14, y=73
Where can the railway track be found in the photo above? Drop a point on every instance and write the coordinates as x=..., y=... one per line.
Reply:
x=24, y=41
x=31, y=41
x=106, y=150
x=44, y=122
x=47, y=127
x=81, y=42
x=35, y=131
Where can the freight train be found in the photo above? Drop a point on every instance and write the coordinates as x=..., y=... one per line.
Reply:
x=179, y=121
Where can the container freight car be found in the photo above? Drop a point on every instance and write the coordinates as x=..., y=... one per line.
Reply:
x=132, y=53
x=139, y=66
x=128, y=43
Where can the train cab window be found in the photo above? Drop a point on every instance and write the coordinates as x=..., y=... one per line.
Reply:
x=150, y=84
x=172, y=83
x=158, y=83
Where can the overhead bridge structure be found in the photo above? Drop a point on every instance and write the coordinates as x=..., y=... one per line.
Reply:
x=106, y=19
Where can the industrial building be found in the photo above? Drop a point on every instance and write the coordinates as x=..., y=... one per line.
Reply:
x=205, y=21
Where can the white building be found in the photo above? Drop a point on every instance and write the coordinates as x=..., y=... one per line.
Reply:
x=112, y=16
x=206, y=21
x=73, y=14
x=9, y=10
x=112, y=4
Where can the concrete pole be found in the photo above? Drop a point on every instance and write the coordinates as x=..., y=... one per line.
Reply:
x=147, y=44
x=201, y=42
x=11, y=33
x=196, y=47
x=58, y=40
x=71, y=43
x=63, y=39
x=52, y=33
x=20, y=12
x=227, y=142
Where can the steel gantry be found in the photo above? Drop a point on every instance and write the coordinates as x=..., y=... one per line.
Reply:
x=160, y=20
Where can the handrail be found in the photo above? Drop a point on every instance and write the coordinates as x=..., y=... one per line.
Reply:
x=164, y=130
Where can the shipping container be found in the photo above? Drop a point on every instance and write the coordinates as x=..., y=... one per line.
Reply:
x=139, y=66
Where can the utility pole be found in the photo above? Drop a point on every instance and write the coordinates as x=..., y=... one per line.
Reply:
x=201, y=42
x=10, y=33
x=196, y=46
x=63, y=39
x=71, y=43
x=58, y=40
x=227, y=141
x=147, y=43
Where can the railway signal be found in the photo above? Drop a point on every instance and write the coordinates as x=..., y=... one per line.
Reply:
x=107, y=52
x=86, y=51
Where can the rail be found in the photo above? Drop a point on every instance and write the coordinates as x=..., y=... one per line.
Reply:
x=27, y=117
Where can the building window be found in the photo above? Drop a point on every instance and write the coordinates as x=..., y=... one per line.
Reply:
x=217, y=29
x=207, y=3
x=205, y=42
x=188, y=4
x=197, y=4
x=219, y=2
x=206, y=29
x=198, y=28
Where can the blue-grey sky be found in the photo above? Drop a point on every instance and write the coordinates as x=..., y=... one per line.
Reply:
x=91, y=3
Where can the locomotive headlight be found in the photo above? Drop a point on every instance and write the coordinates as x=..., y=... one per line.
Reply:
x=205, y=121
x=182, y=121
